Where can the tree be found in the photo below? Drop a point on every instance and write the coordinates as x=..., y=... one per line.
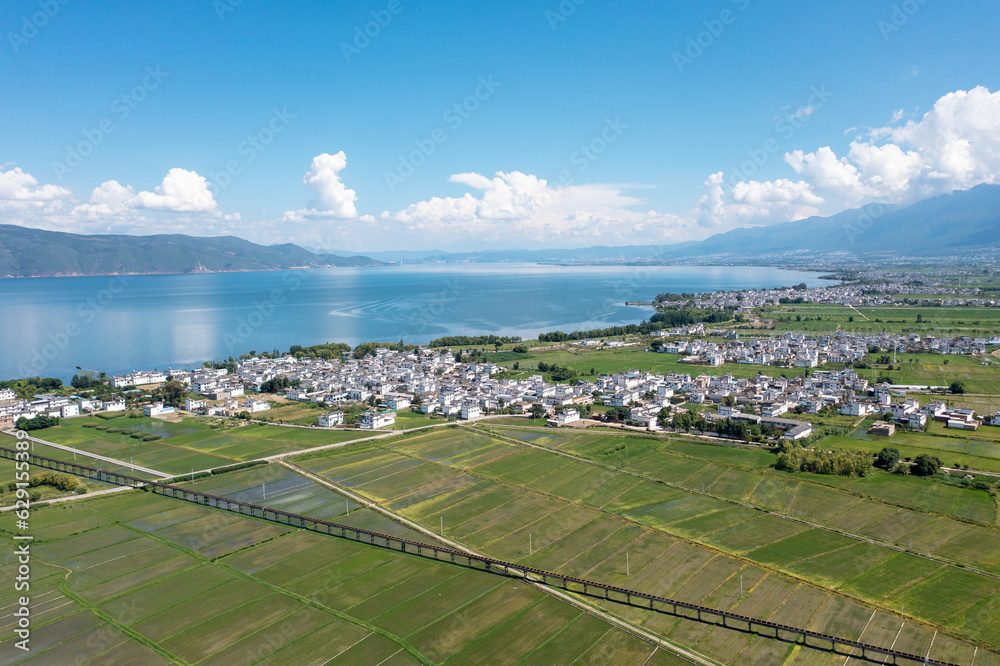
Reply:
x=37, y=423
x=957, y=387
x=887, y=458
x=925, y=465
x=275, y=384
x=83, y=381
x=537, y=411
x=173, y=392
x=520, y=349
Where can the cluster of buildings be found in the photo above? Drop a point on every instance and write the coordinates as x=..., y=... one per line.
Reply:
x=428, y=380
x=883, y=291
x=431, y=381
x=138, y=378
x=12, y=408
x=909, y=413
x=798, y=350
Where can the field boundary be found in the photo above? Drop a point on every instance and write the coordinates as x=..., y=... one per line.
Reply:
x=769, y=512
x=490, y=565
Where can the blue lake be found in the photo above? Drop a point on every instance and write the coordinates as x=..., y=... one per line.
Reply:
x=116, y=324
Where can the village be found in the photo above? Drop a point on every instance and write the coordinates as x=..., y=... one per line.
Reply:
x=432, y=382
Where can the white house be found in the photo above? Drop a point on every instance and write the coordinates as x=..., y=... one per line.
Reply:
x=69, y=410
x=776, y=409
x=856, y=409
x=397, y=403
x=7, y=394
x=798, y=432
x=115, y=405
x=154, y=409
x=567, y=417
x=254, y=406
x=193, y=405
x=471, y=411
x=331, y=420
x=916, y=420
x=376, y=420
x=728, y=410
x=994, y=420
x=902, y=410
x=358, y=395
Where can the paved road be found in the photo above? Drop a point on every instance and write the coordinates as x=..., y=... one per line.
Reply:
x=88, y=454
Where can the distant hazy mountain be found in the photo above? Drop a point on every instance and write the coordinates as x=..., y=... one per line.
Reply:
x=947, y=224
x=954, y=223
x=32, y=252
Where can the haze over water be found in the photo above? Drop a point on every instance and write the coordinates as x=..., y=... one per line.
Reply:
x=117, y=324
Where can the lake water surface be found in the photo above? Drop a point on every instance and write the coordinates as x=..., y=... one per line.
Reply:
x=116, y=324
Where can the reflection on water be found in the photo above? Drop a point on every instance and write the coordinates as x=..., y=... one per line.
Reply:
x=51, y=325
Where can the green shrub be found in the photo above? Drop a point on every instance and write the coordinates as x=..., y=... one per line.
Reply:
x=151, y=438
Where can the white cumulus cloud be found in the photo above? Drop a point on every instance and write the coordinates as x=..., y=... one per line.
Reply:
x=333, y=198
x=181, y=191
x=17, y=185
x=515, y=207
x=954, y=146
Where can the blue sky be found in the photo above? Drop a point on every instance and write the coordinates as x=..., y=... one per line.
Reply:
x=662, y=116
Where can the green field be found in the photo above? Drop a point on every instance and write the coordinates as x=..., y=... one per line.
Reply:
x=532, y=506
x=189, y=444
x=938, y=321
x=7, y=471
x=147, y=579
x=555, y=513
x=889, y=508
x=952, y=447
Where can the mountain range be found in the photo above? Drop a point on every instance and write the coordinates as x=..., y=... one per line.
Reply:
x=959, y=223
x=28, y=252
x=951, y=224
